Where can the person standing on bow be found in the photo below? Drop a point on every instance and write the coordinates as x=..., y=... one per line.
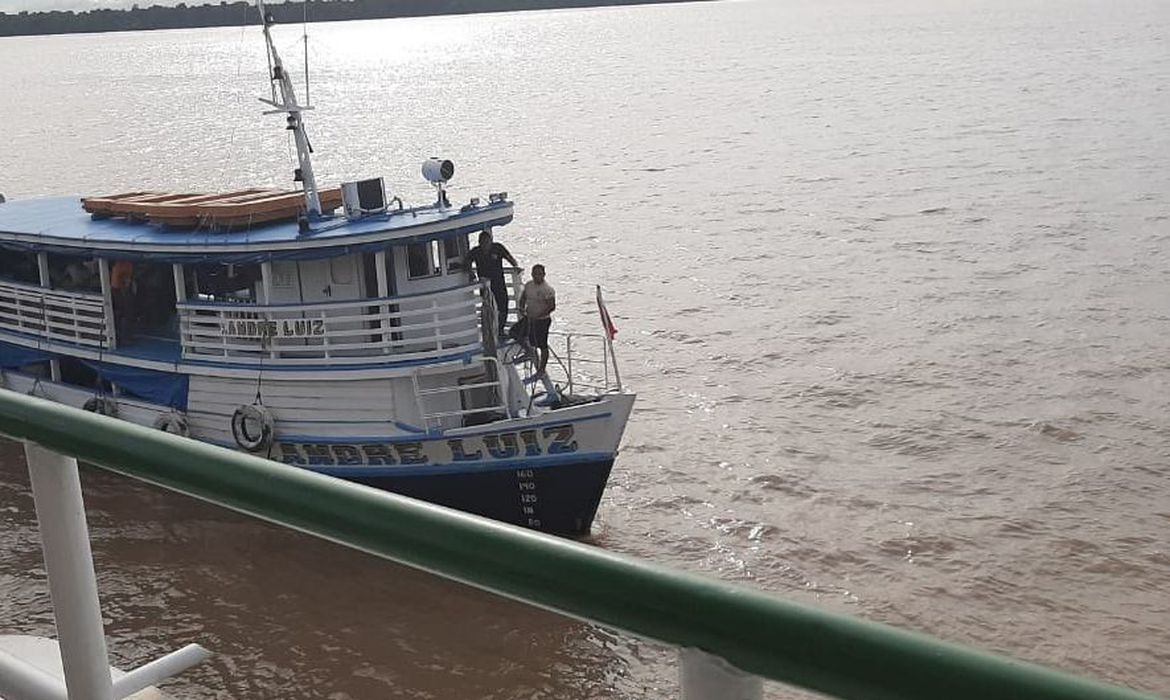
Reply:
x=537, y=302
x=488, y=259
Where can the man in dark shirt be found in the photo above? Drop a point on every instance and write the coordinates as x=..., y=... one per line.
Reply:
x=488, y=259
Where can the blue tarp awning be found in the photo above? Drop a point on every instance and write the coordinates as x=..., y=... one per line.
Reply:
x=164, y=388
x=16, y=356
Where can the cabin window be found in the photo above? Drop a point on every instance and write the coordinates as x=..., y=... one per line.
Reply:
x=284, y=275
x=423, y=259
x=74, y=273
x=18, y=266
x=227, y=283
x=453, y=249
x=341, y=270
x=370, y=274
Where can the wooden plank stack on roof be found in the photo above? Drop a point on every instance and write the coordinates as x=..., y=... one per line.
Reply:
x=230, y=210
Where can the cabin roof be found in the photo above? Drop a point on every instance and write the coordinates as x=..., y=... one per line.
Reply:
x=59, y=224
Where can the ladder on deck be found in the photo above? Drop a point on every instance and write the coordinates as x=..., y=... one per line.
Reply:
x=499, y=406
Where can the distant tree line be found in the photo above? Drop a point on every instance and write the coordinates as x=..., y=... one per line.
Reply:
x=238, y=13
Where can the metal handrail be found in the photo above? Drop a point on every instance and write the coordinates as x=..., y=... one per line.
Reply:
x=755, y=632
x=574, y=354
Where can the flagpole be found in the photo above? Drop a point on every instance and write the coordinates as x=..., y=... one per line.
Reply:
x=607, y=324
x=617, y=377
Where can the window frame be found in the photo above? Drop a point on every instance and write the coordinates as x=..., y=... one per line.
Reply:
x=434, y=255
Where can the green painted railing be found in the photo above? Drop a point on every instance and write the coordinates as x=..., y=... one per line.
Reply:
x=757, y=633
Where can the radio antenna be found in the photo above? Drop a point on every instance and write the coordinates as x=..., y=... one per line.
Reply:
x=305, y=29
x=288, y=105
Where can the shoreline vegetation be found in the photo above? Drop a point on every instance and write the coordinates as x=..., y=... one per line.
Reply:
x=235, y=14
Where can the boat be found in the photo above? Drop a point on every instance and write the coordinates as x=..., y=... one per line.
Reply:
x=332, y=329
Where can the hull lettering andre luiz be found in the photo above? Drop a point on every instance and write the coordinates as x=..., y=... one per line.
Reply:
x=518, y=444
x=287, y=328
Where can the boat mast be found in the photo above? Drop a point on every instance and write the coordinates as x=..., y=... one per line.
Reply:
x=288, y=104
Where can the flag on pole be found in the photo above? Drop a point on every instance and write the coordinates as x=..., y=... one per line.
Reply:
x=606, y=321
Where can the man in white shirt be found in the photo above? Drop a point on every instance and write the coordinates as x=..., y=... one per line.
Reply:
x=537, y=302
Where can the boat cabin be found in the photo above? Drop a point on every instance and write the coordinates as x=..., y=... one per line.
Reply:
x=87, y=296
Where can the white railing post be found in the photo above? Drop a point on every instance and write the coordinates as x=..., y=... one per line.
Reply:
x=180, y=280
x=19, y=309
x=706, y=677
x=605, y=363
x=111, y=326
x=569, y=360
x=47, y=283
x=383, y=310
x=325, y=338
x=43, y=269
x=222, y=318
x=273, y=345
x=617, y=376
x=56, y=489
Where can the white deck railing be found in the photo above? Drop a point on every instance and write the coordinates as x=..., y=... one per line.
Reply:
x=72, y=317
x=347, y=332
x=584, y=361
x=579, y=363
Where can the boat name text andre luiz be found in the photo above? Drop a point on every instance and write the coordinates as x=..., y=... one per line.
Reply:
x=553, y=440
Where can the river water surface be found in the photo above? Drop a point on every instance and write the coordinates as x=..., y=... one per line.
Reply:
x=890, y=279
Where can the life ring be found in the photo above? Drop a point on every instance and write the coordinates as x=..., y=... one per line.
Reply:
x=102, y=406
x=174, y=423
x=252, y=427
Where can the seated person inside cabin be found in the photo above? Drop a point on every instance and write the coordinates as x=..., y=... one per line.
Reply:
x=74, y=276
x=80, y=276
x=537, y=302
